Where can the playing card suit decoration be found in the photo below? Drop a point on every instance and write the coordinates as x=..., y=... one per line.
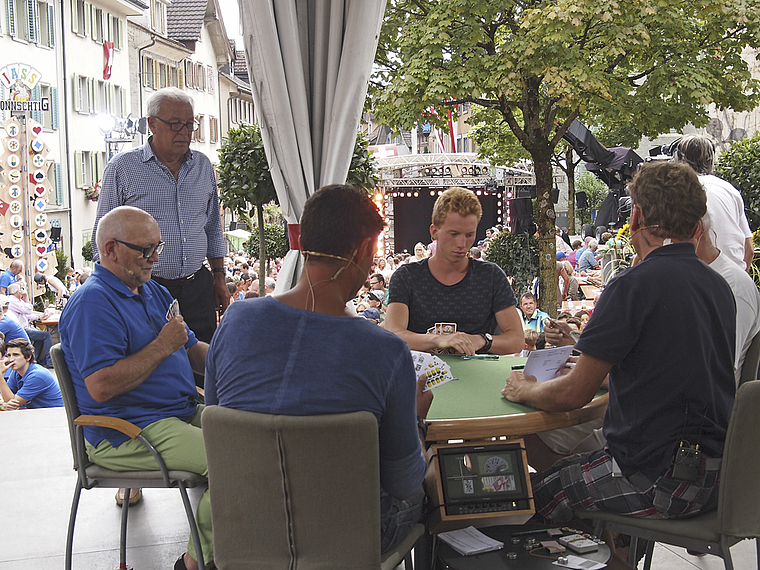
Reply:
x=37, y=145
x=14, y=161
x=40, y=220
x=14, y=176
x=40, y=236
x=15, y=221
x=39, y=205
x=17, y=236
x=13, y=145
x=42, y=265
x=41, y=250
x=39, y=175
x=17, y=251
x=38, y=160
x=40, y=190
x=37, y=130
x=14, y=191
x=15, y=207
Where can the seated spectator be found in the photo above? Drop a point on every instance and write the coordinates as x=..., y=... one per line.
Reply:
x=420, y=252
x=563, y=316
x=269, y=285
x=21, y=309
x=573, y=255
x=541, y=342
x=574, y=323
x=531, y=338
x=299, y=341
x=588, y=261
x=533, y=317
x=8, y=325
x=584, y=316
x=29, y=385
x=375, y=300
x=475, y=253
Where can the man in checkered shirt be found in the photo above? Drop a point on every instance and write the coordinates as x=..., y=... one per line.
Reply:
x=177, y=186
x=664, y=330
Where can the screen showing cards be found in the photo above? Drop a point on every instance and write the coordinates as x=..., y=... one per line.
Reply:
x=482, y=473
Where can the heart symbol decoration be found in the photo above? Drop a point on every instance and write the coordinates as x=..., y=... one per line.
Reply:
x=37, y=130
x=41, y=250
x=40, y=190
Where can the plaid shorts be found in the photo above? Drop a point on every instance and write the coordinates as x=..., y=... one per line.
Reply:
x=585, y=482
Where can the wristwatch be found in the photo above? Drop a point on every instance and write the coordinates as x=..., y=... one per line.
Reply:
x=489, y=342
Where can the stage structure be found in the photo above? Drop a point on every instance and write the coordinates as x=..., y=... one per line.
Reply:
x=411, y=183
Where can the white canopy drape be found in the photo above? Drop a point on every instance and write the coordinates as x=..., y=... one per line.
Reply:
x=309, y=62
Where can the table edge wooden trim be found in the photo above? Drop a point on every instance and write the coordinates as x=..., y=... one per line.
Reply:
x=515, y=424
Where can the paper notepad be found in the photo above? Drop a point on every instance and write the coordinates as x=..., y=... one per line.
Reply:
x=467, y=541
x=544, y=364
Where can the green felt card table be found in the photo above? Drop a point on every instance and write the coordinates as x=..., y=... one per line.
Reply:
x=472, y=406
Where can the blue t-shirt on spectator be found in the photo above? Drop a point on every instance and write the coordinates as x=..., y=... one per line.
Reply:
x=6, y=278
x=11, y=329
x=38, y=386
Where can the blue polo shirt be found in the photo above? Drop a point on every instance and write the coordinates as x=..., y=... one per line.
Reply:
x=6, y=278
x=536, y=320
x=37, y=386
x=11, y=329
x=104, y=323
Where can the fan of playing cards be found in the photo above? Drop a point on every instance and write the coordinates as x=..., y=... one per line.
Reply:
x=436, y=370
x=173, y=310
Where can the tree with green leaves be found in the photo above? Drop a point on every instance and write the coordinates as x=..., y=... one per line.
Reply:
x=536, y=65
x=739, y=164
x=245, y=184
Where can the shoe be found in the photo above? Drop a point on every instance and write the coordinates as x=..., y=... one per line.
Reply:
x=180, y=563
x=695, y=552
x=134, y=496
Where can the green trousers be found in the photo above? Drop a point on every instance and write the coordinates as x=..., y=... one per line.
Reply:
x=180, y=444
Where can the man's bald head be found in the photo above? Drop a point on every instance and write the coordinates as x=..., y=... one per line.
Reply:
x=123, y=223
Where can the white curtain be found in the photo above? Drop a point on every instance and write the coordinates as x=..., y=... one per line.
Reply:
x=309, y=62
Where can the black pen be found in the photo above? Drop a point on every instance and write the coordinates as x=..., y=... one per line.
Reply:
x=518, y=367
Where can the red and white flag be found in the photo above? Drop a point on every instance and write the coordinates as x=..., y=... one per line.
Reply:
x=108, y=54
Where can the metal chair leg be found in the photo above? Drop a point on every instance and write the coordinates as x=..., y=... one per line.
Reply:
x=726, y=553
x=123, y=535
x=72, y=522
x=193, y=526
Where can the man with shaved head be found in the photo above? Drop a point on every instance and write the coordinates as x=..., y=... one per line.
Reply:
x=131, y=357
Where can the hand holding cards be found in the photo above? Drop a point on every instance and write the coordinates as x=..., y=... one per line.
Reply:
x=435, y=369
x=173, y=310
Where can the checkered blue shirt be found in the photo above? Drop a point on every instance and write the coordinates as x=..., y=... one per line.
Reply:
x=186, y=209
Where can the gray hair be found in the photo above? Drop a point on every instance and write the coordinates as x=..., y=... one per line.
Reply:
x=698, y=152
x=593, y=244
x=14, y=288
x=270, y=283
x=167, y=94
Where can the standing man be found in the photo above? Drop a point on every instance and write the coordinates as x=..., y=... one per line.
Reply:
x=130, y=358
x=11, y=275
x=450, y=287
x=176, y=186
x=671, y=376
x=725, y=204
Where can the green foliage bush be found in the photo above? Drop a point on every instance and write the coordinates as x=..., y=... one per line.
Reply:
x=517, y=255
x=274, y=237
x=740, y=165
x=596, y=191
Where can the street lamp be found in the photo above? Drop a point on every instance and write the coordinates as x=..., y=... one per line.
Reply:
x=117, y=131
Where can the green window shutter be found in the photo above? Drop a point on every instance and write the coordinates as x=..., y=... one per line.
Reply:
x=31, y=22
x=77, y=93
x=10, y=10
x=74, y=17
x=58, y=184
x=51, y=25
x=78, y=169
x=54, y=107
x=36, y=94
x=87, y=19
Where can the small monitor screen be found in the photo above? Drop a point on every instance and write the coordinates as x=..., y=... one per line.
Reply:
x=482, y=473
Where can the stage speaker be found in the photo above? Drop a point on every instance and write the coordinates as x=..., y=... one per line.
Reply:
x=521, y=210
x=581, y=201
x=55, y=233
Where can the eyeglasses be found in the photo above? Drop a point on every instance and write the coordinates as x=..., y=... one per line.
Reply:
x=146, y=251
x=177, y=126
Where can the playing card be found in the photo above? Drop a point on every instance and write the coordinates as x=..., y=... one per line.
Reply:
x=173, y=310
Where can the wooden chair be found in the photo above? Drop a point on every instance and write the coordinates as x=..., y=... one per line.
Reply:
x=90, y=475
x=296, y=492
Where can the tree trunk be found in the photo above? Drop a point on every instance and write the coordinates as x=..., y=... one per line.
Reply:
x=547, y=275
x=570, y=172
x=262, y=251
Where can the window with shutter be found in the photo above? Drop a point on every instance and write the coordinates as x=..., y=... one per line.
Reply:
x=10, y=12
x=91, y=94
x=75, y=89
x=156, y=75
x=33, y=29
x=58, y=184
x=74, y=16
x=78, y=168
x=87, y=19
x=54, y=108
x=36, y=95
x=210, y=79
